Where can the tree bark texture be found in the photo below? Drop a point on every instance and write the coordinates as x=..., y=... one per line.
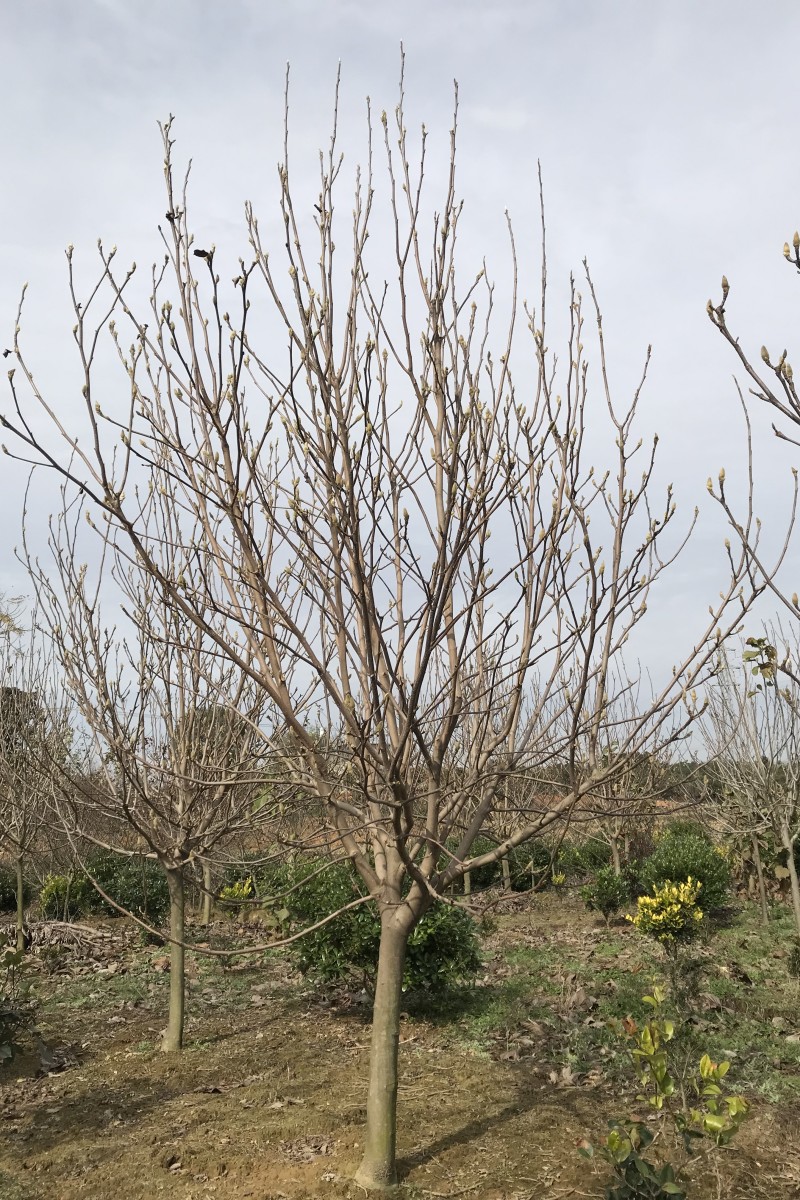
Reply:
x=173, y=1035
x=205, y=916
x=788, y=845
x=20, y=905
x=379, y=1167
x=762, y=887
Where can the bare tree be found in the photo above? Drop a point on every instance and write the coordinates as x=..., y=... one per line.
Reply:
x=773, y=385
x=33, y=737
x=638, y=789
x=169, y=749
x=776, y=389
x=753, y=731
x=408, y=539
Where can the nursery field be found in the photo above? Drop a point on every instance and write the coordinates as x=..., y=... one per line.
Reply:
x=499, y=1083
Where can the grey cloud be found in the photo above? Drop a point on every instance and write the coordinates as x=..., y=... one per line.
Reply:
x=666, y=134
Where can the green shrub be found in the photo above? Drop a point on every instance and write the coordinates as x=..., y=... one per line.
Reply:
x=442, y=950
x=235, y=895
x=138, y=884
x=712, y=1113
x=607, y=894
x=17, y=1006
x=672, y=914
x=582, y=858
x=250, y=867
x=632, y=874
x=345, y=948
x=8, y=889
x=64, y=897
x=687, y=827
x=479, y=877
x=528, y=862
x=485, y=876
x=678, y=856
x=315, y=886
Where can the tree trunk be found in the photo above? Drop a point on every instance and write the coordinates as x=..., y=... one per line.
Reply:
x=615, y=860
x=173, y=1034
x=506, y=868
x=378, y=1166
x=205, y=917
x=762, y=887
x=20, y=906
x=467, y=883
x=788, y=845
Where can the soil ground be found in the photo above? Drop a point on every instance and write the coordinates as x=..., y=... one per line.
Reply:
x=498, y=1084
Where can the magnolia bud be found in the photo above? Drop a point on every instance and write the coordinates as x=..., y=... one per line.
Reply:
x=765, y=354
x=725, y=287
x=796, y=240
x=786, y=251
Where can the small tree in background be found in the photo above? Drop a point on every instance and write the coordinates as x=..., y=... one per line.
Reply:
x=607, y=893
x=396, y=532
x=753, y=729
x=33, y=741
x=773, y=385
x=630, y=799
x=168, y=758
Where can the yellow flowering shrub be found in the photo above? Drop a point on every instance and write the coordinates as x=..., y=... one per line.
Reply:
x=237, y=893
x=671, y=914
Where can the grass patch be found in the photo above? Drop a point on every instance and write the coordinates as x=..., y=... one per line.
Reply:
x=575, y=982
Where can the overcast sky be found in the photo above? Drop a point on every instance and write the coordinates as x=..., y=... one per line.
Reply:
x=667, y=134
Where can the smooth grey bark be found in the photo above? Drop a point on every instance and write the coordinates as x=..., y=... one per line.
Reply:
x=506, y=869
x=378, y=1167
x=172, y=1040
x=787, y=841
x=615, y=859
x=762, y=887
x=20, y=905
x=205, y=916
